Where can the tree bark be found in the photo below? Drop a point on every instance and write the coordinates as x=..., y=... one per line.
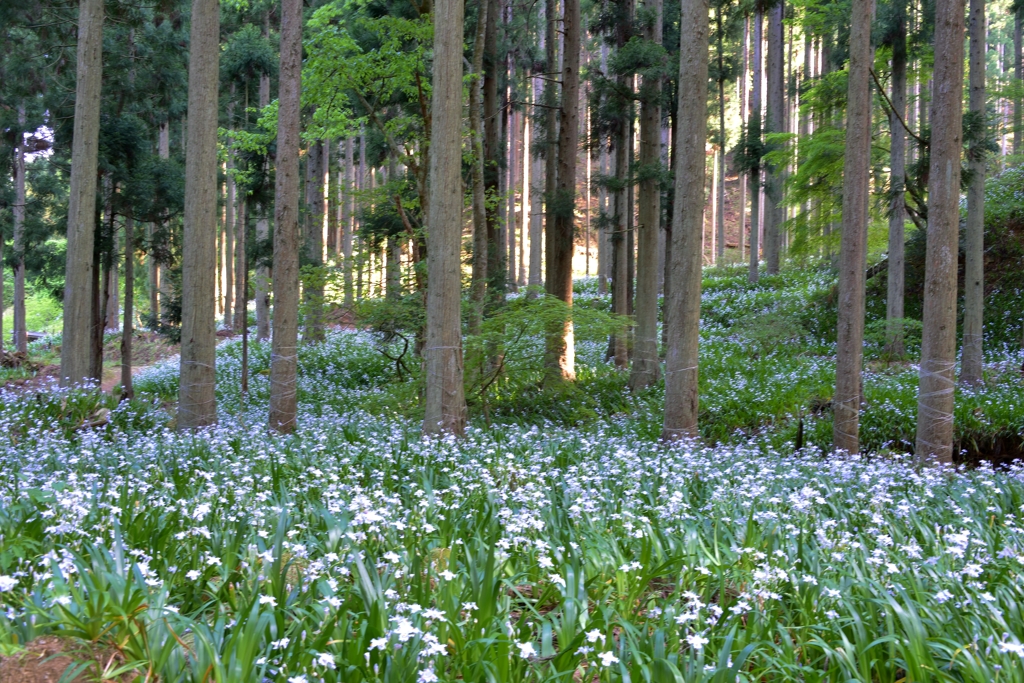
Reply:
x=241, y=266
x=683, y=305
x=493, y=154
x=938, y=335
x=853, y=244
x=331, y=173
x=313, y=289
x=445, y=404
x=974, y=239
x=197, y=405
x=646, y=367
x=894, y=299
x=349, y=220
x=744, y=116
x=18, y=211
x=774, y=123
x=76, y=341
x=284, y=339
x=536, y=197
x=1018, y=76
x=478, y=283
x=551, y=124
x=262, y=283
x=127, y=328
x=754, y=133
x=560, y=353
x=722, y=146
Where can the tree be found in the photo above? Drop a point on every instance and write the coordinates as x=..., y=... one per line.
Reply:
x=20, y=330
x=853, y=244
x=313, y=288
x=896, y=268
x=478, y=285
x=445, y=405
x=774, y=123
x=974, y=241
x=75, y=352
x=753, y=135
x=683, y=306
x=284, y=340
x=562, y=205
x=197, y=405
x=938, y=334
x=646, y=366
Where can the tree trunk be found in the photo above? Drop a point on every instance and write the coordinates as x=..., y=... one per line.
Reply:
x=331, y=174
x=445, y=404
x=551, y=125
x=938, y=335
x=313, y=289
x=478, y=283
x=284, y=340
x=774, y=123
x=560, y=353
x=646, y=366
x=1018, y=76
x=853, y=244
x=163, y=286
x=524, y=204
x=897, y=181
x=241, y=319
x=78, y=301
x=974, y=241
x=197, y=403
x=18, y=211
x=349, y=216
x=754, y=133
x=722, y=142
x=683, y=305
x=513, y=182
x=262, y=284
x=493, y=154
x=536, y=195
x=127, y=328
x=744, y=116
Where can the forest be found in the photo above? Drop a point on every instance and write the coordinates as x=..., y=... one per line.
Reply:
x=511, y=341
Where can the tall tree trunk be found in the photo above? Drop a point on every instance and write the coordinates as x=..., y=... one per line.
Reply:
x=349, y=207
x=445, y=404
x=722, y=141
x=853, y=245
x=744, y=116
x=619, y=342
x=159, y=284
x=754, y=133
x=537, y=194
x=646, y=366
x=524, y=204
x=551, y=125
x=560, y=353
x=1018, y=76
x=262, y=283
x=894, y=299
x=513, y=181
x=493, y=153
x=284, y=339
x=393, y=250
x=18, y=211
x=241, y=320
x=478, y=283
x=774, y=123
x=78, y=301
x=938, y=334
x=127, y=328
x=313, y=289
x=113, y=282
x=683, y=305
x=974, y=242
x=197, y=405
x=228, y=240
x=331, y=171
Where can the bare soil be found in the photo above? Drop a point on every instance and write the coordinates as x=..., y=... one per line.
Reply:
x=48, y=658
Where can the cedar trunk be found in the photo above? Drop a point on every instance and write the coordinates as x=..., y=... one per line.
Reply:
x=78, y=292
x=284, y=339
x=754, y=133
x=774, y=123
x=938, y=334
x=197, y=403
x=683, y=304
x=894, y=299
x=445, y=404
x=974, y=241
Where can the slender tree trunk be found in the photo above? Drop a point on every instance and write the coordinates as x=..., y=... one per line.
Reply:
x=331, y=173
x=445, y=404
x=774, y=123
x=197, y=405
x=493, y=154
x=551, y=126
x=262, y=283
x=313, y=289
x=349, y=219
x=478, y=285
x=646, y=365
x=228, y=240
x=524, y=204
x=683, y=305
x=78, y=302
x=754, y=133
x=853, y=245
x=284, y=339
x=620, y=245
x=938, y=336
x=127, y=328
x=113, y=281
x=536, y=198
x=974, y=242
x=897, y=181
x=241, y=320
x=560, y=354
x=163, y=284
x=1018, y=77
x=722, y=142
x=18, y=211
x=513, y=183
x=393, y=250
x=745, y=116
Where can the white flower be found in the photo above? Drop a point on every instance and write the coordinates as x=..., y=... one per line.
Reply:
x=594, y=636
x=545, y=562
x=427, y=676
x=280, y=644
x=7, y=583
x=942, y=596
x=555, y=578
x=607, y=658
x=696, y=641
x=1012, y=648
x=526, y=650
x=405, y=630
x=433, y=614
x=301, y=678
x=378, y=643
x=447, y=575
x=193, y=575
x=268, y=600
x=326, y=659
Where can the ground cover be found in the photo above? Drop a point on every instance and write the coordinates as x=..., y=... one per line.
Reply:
x=552, y=543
